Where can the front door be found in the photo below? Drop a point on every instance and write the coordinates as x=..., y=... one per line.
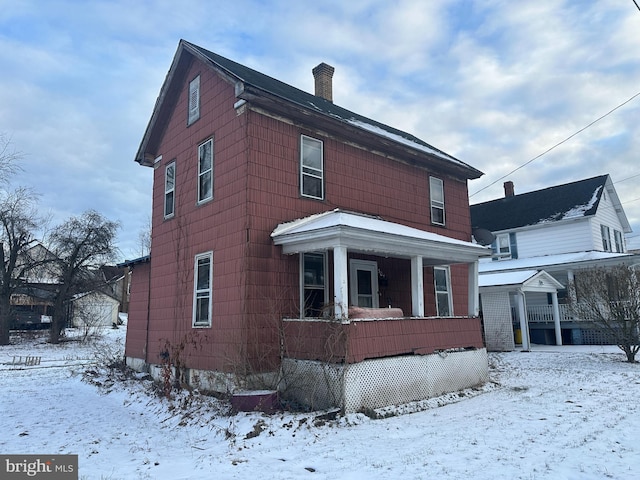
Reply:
x=363, y=283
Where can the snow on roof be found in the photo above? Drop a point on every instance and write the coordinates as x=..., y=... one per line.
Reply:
x=400, y=139
x=577, y=211
x=338, y=217
x=505, y=278
x=549, y=260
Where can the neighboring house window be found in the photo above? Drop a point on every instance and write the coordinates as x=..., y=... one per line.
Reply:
x=313, y=267
x=202, y=294
x=205, y=171
x=617, y=236
x=311, y=168
x=505, y=247
x=194, y=100
x=606, y=238
x=444, y=307
x=169, y=190
x=436, y=189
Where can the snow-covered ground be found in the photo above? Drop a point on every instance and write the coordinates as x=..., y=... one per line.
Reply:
x=553, y=413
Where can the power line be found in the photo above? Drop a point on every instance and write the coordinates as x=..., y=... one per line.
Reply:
x=557, y=144
x=638, y=6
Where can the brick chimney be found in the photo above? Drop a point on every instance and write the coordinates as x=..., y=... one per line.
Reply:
x=508, y=189
x=323, y=74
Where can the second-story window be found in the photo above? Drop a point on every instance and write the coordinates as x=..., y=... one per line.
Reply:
x=194, y=100
x=205, y=171
x=504, y=247
x=606, y=238
x=436, y=192
x=311, y=168
x=169, y=190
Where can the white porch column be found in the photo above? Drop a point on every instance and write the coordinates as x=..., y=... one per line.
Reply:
x=524, y=324
x=340, y=283
x=556, y=317
x=474, y=291
x=417, y=287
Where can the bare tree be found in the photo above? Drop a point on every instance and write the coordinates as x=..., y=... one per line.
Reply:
x=80, y=246
x=18, y=221
x=144, y=238
x=610, y=298
x=8, y=160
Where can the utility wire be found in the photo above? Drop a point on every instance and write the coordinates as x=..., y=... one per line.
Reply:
x=638, y=6
x=557, y=144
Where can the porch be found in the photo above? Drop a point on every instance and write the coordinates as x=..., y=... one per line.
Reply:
x=361, y=339
x=346, y=351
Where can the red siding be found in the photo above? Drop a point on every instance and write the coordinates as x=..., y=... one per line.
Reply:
x=256, y=187
x=359, y=340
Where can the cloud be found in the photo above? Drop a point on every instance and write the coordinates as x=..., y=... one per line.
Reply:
x=494, y=83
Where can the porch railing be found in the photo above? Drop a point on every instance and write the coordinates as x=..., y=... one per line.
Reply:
x=544, y=313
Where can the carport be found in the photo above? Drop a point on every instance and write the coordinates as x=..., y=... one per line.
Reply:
x=496, y=293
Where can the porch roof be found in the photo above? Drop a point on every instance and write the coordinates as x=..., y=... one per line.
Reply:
x=369, y=234
x=559, y=262
x=526, y=280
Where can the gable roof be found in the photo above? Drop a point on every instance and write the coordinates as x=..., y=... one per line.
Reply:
x=562, y=202
x=269, y=93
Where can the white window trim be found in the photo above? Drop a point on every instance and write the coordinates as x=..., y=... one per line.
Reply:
x=605, y=233
x=618, y=240
x=196, y=292
x=314, y=173
x=167, y=191
x=193, y=101
x=325, y=266
x=439, y=204
x=367, y=265
x=503, y=255
x=448, y=292
x=201, y=173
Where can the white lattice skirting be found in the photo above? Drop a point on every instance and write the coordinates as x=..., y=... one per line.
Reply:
x=382, y=382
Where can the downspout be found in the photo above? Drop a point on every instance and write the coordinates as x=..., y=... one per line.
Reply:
x=146, y=339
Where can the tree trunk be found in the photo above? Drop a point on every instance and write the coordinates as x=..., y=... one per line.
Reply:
x=58, y=321
x=630, y=353
x=5, y=319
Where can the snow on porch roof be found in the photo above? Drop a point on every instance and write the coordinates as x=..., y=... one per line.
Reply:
x=527, y=279
x=366, y=233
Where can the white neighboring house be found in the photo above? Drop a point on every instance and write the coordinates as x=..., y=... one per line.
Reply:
x=95, y=309
x=558, y=230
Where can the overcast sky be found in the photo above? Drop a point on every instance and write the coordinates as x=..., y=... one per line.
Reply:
x=494, y=83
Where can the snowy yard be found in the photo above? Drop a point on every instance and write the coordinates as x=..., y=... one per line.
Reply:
x=553, y=413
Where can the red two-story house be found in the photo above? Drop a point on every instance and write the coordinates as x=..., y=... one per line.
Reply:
x=299, y=246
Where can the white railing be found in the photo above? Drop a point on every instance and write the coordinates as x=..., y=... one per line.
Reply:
x=544, y=313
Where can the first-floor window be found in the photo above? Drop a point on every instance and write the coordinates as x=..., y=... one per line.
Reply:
x=313, y=266
x=617, y=236
x=202, y=294
x=441, y=279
